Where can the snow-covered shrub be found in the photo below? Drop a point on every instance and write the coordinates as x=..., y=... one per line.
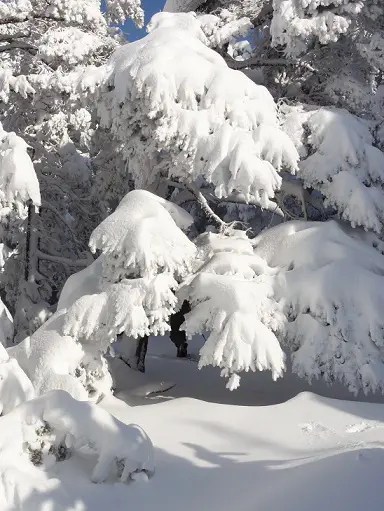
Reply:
x=143, y=252
x=181, y=113
x=51, y=427
x=313, y=288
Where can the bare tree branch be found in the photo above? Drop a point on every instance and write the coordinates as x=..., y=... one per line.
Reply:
x=80, y=263
x=204, y=205
x=19, y=45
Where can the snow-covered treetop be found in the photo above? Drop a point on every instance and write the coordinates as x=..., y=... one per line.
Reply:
x=340, y=160
x=18, y=181
x=119, y=10
x=142, y=237
x=79, y=12
x=182, y=113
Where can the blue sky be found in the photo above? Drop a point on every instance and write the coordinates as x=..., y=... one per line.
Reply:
x=150, y=7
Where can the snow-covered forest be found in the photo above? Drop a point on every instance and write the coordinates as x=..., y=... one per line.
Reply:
x=191, y=222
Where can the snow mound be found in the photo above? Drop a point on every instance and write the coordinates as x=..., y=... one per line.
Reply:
x=50, y=359
x=54, y=427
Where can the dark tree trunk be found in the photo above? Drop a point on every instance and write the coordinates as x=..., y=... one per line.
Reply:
x=178, y=336
x=136, y=360
x=141, y=351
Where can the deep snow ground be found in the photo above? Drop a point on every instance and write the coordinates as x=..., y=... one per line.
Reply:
x=255, y=388
x=309, y=453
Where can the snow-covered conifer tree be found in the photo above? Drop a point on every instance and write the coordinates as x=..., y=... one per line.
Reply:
x=129, y=289
x=44, y=46
x=314, y=55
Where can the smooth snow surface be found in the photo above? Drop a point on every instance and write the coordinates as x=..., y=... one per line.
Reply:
x=302, y=455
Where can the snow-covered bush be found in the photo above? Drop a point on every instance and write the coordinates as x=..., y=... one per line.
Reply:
x=143, y=251
x=314, y=288
x=51, y=427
